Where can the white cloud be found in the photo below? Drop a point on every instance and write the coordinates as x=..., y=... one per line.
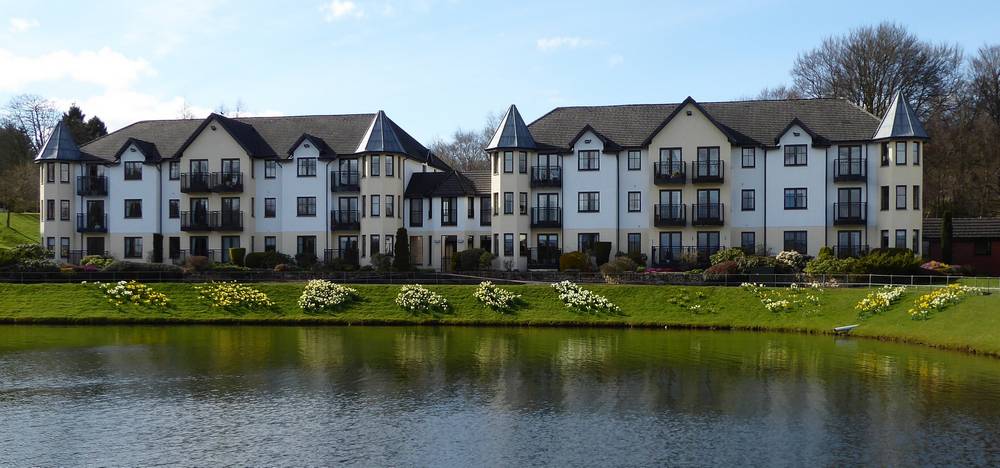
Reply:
x=615, y=60
x=105, y=68
x=337, y=10
x=18, y=25
x=548, y=44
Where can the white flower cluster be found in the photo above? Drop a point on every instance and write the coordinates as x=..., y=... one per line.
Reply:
x=791, y=258
x=879, y=300
x=582, y=299
x=132, y=292
x=777, y=300
x=938, y=299
x=415, y=298
x=320, y=295
x=499, y=299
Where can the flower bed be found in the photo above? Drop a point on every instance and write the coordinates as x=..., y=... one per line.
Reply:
x=573, y=296
x=926, y=305
x=499, y=299
x=417, y=299
x=878, y=301
x=233, y=295
x=133, y=293
x=785, y=300
x=323, y=295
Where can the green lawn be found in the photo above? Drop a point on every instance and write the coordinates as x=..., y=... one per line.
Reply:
x=23, y=229
x=973, y=325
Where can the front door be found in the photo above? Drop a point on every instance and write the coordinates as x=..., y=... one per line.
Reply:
x=708, y=244
x=848, y=243
x=95, y=246
x=448, y=249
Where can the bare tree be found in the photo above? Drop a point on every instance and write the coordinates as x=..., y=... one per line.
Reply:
x=222, y=109
x=985, y=81
x=239, y=107
x=34, y=115
x=465, y=150
x=185, y=111
x=775, y=93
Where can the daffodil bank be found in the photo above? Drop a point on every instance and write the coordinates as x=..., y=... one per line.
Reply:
x=132, y=292
x=233, y=296
x=787, y=299
x=878, y=301
x=575, y=297
x=416, y=299
x=934, y=301
x=499, y=299
x=323, y=295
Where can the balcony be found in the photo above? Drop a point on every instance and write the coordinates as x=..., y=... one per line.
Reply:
x=546, y=176
x=849, y=214
x=850, y=250
x=669, y=215
x=91, y=222
x=485, y=216
x=546, y=217
x=349, y=256
x=543, y=258
x=708, y=214
x=345, y=220
x=92, y=186
x=230, y=221
x=675, y=256
x=345, y=181
x=708, y=171
x=672, y=172
x=449, y=217
x=850, y=170
x=196, y=182
x=227, y=182
x=199, y=221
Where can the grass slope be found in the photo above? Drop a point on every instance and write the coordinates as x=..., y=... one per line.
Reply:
x=24, y=229
x=973, y=325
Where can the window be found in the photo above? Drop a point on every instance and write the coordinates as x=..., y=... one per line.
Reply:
x=588, y=202
x=50, y=210
x=915, y=241
x=64, y=210
x=305, y=245
x=749, y=157
x=50, y=244
x=884, y=239
x=50, y=176
x=270, y=207
x=173, y=208
x=390, y=166
x=508, y=203
x=587, y=240
x=133, y=170
x=508, y=245
x=522, y=202
x=588, y=161
x=901, y=153
x=496, y=163
x=306, y=167
x=885, y=198
x=634, y=243
x=508, y=161
x=900, y=239
x=634, y=160
x=374, y=165
x=374, y=245
x=982, y=247
x=496, y=204
x=175, y=170
x=522, y=162
x=270, y=244
x=885, y=154
x=900, y=197
x=634, y=202
x=305, y=206
x=471, y=208
x=270, y=169
x=748, y=242
x=64, y=247
x=796, y=240
x=133, y=247
x=376, y=207
x=174, y=248
x=796, y=199
x=522, y=245
x=796, y=155
x=748, y=200
x=416, y=212
x=916, y=197
x=390, y=206
x=390, y=247
x=64, y=173
x=133, y=208
x=916, y=153
x=484, y=243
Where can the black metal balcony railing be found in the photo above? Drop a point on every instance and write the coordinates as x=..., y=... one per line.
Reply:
x=350, y=255
x=199, y=221
x=485, y=216
x=546, y=176
x=669, y=215
x=677, y=256
x=708, y=171
x=850, y=170
x=91, y=222
x=227, y=182
x=91, y=186
x=196, y=182
x=543, y=258
x=708, y=214
x=449, y=217
x=345, y=181
x=670, y=172
x=850, y=250
x=853, y=213
x=546, y=217
x=230, y=221
x=345, y=220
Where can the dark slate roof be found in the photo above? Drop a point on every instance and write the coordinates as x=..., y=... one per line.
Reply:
x=512, y=133
x=744, y=122
x=964, y=228
x=448, y=184
x=381, y=137
x=147, y=149
x=900, y=121
x=60, y=146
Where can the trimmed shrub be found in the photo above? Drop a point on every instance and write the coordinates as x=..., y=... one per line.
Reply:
x=282, y=267
x=574, y=261
x=728, y=267
x=467, y=260
x=602, y=251
x=7, y=257
x=381, y=262
x=265, y=259
x=401, y=262
x=619, y=265
x=24, y=252
x=731, y=254
x=305, y=260
x=791, y=259
x=891, y=262
x=121, y=265
x=237, y=255
x=227, y=267
x=197, y=263
x=486, y=260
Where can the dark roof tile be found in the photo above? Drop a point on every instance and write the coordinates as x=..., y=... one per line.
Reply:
x=964, y=228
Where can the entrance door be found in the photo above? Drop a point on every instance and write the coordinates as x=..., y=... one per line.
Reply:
x=199, y=246
x=670, y=247
x=449, y=246
x=708, y=244
x=95, y=246
x=848, y=243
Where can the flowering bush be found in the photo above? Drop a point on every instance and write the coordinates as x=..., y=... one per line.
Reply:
x=233, y=295
x=938, y=299
x=782, y=300
x=879, y=300
x=132, y=292
x=582, y=299
x=415, y=298
x=499, y=299
x=320, y=295
x=791, y=259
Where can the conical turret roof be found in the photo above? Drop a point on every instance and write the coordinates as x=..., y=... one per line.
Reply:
x=512, y=133
x=381, y=137
x=900, y=121
x=60, y=146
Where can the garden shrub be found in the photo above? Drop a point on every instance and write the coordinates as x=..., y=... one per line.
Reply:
x=500, y=300
x=415, y=298
x=122, y=265
x=756, y=263
x=617, y=266
x=237, y=255
x=727, y=267
x=227, y=267
x=584, y=300
x=322, y=295
x=891, y=262
x=486, y=260
x=602, y=252
x=265, y=259
x=7, y=257
x=305, y=260
x=97, y=261
x=24, y=252
x=574, y=261
x=467, y=260
x=197, y=263
x=733, y=254
x=791, y=259
x=401, y=261
x=381, y=262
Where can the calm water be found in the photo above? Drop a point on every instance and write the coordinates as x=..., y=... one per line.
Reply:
x=481, y=396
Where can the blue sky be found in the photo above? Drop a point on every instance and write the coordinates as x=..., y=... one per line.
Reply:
x=431, y=65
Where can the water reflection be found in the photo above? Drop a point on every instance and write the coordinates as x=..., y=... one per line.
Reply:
x=440, y=396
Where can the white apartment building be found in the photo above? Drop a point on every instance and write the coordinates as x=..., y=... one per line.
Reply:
x=675, y=182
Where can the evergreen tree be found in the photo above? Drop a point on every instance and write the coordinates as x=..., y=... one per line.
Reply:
x=401, y=262
x=946, y=233
x=83, y=131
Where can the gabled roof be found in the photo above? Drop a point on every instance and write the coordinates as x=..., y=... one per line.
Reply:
x=964, y=228
x=817, y=139
x=609, y=144
x=325, y=151
x=512, y=133
x=381, y=137
x=60, y=146
x=447, y=184
x=244, y=134
x=731, y=135
x=148, y=150
x=900, y=122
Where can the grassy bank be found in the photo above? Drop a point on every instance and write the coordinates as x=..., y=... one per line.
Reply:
x=23, y=229
x=973, y=325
